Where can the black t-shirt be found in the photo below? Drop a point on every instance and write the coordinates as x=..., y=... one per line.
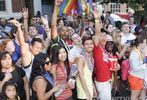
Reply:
x=17, y=76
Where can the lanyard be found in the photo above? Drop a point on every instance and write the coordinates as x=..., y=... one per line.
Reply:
x=89, y=60
x=48, y=77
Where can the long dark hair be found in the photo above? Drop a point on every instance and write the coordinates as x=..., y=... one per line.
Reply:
x=137, y=41
x=113, y=47
x=38, y=65
x=54, y=53
x=3, y=94
x=2, y=56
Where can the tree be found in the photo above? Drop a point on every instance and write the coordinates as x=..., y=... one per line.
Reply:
x=140, y=6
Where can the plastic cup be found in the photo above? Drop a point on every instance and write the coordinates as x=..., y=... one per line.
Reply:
x=113, y=62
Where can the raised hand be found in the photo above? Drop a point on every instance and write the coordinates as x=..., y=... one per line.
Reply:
x=25, y=13
x=83, y=6
x=58, y=2
x=44, y=20
x=96, y=13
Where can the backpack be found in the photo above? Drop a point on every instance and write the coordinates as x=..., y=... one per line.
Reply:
x=125, y=67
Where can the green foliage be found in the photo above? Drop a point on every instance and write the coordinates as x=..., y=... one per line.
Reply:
x=140, y=6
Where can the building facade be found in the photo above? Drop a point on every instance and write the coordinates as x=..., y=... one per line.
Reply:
x=115, y=7
x=12, y=8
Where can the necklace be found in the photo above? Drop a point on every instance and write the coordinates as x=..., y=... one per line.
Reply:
x=89, y=60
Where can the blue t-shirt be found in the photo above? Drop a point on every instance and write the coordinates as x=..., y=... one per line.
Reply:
x=17, y=53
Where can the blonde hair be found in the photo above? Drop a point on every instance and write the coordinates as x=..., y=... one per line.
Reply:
x=115, y=35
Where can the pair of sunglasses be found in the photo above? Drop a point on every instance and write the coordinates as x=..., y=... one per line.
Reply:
x=47, y=62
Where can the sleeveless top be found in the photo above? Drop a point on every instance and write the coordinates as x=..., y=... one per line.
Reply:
x=49, y=86
x=89, y=82
x=28, y=69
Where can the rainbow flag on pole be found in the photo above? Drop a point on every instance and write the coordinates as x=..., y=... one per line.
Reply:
x=89, y=6
x=70, y=6
x=67, y=6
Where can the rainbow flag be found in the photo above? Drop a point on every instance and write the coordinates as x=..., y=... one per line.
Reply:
x=89, y=6
x=70, y=6
x=79, y=7
x=67, y=6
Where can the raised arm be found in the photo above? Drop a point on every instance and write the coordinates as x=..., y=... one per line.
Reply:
x=98, y=26
x=25, y=53
x=54, y=33
x=83, y=17
x=25, y=16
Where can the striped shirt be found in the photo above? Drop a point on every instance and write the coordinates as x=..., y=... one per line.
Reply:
x=61, y=79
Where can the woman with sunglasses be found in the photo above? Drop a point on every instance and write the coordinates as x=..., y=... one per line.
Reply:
x=42, y=81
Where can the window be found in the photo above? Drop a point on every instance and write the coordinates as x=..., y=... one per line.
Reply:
x=17, y=5
x=115, y=7
x=47, y=2
x=2, y=5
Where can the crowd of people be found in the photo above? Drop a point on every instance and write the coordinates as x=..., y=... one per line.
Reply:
x=82, y=57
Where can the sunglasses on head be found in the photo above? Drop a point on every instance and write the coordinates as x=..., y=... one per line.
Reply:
x=47, y=62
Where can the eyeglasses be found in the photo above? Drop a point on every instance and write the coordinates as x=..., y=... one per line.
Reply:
x=48, y=62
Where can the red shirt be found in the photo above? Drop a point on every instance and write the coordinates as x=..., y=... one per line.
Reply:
x=103, y=72
x=69, y=42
